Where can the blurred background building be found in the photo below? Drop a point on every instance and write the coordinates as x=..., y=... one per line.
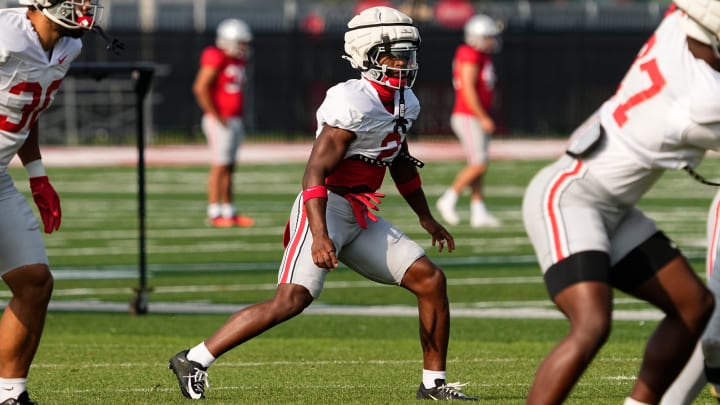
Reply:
x=560, y=59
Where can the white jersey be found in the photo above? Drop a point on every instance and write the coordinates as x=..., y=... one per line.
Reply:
x=29, y=78
x=377, y=250
x=665, y=115
x=355, y=106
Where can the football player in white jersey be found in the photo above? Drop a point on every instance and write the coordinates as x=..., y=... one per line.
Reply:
x=362, y=124
x=581, y=216
x=37, y=45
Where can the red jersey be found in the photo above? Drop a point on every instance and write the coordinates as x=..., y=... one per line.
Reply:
x=485, y=84
x=226, y=90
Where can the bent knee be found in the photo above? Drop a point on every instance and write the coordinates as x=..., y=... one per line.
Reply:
x=291, y=299
x=35, y=281
x=424, y=277
x=593, y=333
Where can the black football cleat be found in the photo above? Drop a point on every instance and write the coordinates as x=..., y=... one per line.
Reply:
x=191, y=376
x=444, y=392
x=22, y=399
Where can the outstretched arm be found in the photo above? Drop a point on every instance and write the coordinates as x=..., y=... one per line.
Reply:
x=407, y=179
x=327, y=152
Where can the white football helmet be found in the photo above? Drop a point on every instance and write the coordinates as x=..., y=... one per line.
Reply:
x=702, y=21
x=70, y=14
x=482, y=32
x=383, y=31
x=231, y=33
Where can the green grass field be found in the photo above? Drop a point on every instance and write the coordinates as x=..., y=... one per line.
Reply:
x=112, y=357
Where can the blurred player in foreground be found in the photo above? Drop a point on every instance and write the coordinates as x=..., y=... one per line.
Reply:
x=710, y=340
x=37, y=45
x=362, y=124
x=218, y=89
x=704, y=365
x=590, y=237
x=474, y=83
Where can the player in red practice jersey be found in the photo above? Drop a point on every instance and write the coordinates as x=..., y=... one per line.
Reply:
x=362, y=125
x=218, y=89
x=590, y=237
x=471, y=119
x=37, y=45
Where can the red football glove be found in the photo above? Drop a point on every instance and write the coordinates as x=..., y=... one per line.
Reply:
x=47, y=201
x=362, y=203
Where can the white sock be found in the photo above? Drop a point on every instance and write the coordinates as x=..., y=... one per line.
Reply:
x=200, y=354
x=450, y=196
x=228, y=210
x=430, y=376
x=630, y=401
x=213, y=210
x=478, y=208
x=11, y=387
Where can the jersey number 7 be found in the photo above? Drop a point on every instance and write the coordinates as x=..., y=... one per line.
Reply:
x=657, y=82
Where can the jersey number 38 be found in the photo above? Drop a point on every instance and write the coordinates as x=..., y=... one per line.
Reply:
x=29, y=112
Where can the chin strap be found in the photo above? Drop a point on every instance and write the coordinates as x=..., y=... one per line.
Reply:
x=113, y=45
x=400, y=121
x=697, y=176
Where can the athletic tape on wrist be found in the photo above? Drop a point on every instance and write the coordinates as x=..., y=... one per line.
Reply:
x=314, y=192
x=410, y=185
x=35, y=168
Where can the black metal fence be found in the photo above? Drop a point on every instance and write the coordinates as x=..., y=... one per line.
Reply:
x=553, y=71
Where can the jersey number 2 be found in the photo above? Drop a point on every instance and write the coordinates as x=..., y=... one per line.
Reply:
x=391, y=137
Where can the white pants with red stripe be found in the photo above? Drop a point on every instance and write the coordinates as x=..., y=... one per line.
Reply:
x=381, y=253
x=566, y=211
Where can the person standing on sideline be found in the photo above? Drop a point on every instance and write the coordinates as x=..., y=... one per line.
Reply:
x=361, y=134
x=37, y=45
x=471, y=121
x=590, y=237
x=218, y=89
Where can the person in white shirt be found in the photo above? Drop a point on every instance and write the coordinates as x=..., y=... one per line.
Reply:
x=37, y=45
x=590, y=237
x=361, y=135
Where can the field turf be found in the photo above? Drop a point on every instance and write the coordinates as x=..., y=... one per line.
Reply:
x=357, y=344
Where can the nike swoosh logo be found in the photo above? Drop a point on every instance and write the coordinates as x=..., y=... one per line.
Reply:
x=8, y=389
x=61, y=60
x=191, y=391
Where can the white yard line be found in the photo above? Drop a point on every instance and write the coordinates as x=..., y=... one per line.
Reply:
x=640, y=315
x=281, y=153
